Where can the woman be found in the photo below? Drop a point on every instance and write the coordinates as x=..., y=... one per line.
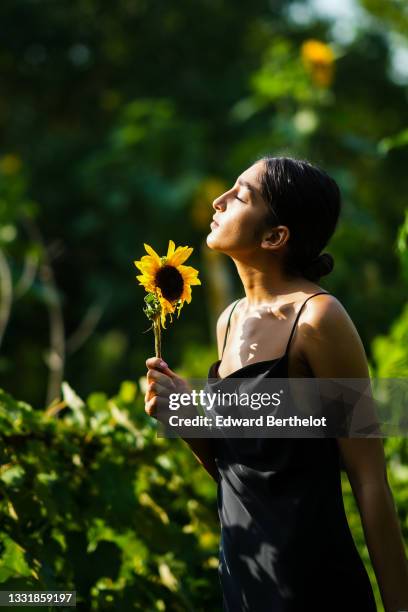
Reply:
x=285, y=542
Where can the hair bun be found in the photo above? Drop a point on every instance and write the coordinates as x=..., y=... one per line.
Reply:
x=321, y=265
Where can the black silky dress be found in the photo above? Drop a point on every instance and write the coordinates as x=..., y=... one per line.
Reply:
x=285, y=541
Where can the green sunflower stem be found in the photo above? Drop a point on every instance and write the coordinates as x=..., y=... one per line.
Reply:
x=157, y=336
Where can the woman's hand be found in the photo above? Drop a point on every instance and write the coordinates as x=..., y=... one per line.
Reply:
x=161, y=382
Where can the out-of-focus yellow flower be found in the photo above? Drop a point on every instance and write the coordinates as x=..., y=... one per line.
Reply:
x=167, y=278
x=10, y=164
x=318, y=58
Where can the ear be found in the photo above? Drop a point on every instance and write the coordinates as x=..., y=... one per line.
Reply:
x=275, y=238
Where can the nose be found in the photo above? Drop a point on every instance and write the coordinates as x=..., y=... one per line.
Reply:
x=218, y=202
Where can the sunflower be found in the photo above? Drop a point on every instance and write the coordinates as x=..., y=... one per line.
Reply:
x=167, y=278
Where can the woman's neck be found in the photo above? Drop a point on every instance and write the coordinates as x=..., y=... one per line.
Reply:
x=266, y=284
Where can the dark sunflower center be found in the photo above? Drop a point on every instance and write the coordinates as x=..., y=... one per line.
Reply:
x=171, y=283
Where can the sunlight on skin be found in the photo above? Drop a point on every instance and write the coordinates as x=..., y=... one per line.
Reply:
x=258, y=314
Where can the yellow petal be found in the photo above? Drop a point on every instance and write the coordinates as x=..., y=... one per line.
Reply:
x=170, y=250
x=186, y=294
x=147, y=264
x=148, y=268
x=188, y=271
x=189, y=275
x=153, y=253
x=166, y=307
x=147, y=258
x=148, y=286
x=165, y=304
x=163, y=320
x=148, y=277
x=180, y=256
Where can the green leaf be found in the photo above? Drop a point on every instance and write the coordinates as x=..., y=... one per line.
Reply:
x=393, y=142
x=12, y=561
x=13, y=475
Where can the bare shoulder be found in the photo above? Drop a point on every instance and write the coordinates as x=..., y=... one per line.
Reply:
x=333, y=349
x=325, y=310
x=329, y=341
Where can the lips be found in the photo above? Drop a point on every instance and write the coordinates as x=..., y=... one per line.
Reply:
x=214, y=223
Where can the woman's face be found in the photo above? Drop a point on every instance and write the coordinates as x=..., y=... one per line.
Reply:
x=239, y=218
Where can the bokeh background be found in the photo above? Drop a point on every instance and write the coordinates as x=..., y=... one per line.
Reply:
x=120, y=123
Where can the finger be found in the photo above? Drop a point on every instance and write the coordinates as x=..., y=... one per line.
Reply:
x=156, y=406
x=156, y=363
x=150, y=407
x=160, y=365
x=163, y=379
x=153, y=389
x=148, y=395
x=156, y=388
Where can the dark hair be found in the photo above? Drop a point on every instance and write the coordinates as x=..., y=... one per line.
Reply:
x=307, y=200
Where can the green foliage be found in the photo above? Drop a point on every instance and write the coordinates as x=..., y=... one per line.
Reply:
x=282, y=77
x=92, y=500
x=152, y=308
x=393, y=12
x=393, y=142
x=402, y=246
x=390, y=352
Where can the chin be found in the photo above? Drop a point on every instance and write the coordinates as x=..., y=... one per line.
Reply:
x=212, y=242
x=209, y=241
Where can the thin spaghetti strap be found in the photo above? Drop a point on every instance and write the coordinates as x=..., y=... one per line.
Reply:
x=298, y=315
x=228, y=325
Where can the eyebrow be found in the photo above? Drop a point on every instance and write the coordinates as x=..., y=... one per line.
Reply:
x=248, y=185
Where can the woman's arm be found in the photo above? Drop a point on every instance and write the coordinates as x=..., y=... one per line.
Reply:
x=364, y=462
x=333, y=349
x=162, y=381
x=202, y=447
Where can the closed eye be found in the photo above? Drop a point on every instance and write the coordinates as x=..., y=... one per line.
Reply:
x=237, y=198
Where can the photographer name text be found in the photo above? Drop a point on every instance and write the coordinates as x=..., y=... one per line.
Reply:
x=259, y=421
